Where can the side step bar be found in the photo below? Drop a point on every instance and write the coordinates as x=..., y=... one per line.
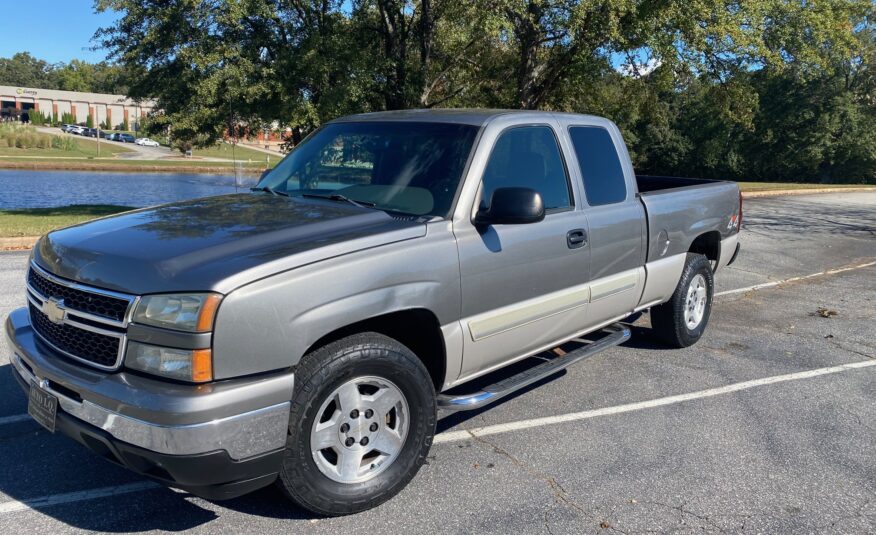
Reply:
x=617, y=334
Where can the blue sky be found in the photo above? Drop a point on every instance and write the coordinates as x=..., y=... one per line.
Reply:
x=59, y=30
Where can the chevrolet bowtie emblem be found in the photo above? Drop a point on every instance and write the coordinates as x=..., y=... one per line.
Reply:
x=54, y=310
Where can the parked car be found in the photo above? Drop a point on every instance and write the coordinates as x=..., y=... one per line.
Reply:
x=76, y=129
x=113, y=136
x=306, y=332
x=125, y=138
x=66, y=127
x=146, y=142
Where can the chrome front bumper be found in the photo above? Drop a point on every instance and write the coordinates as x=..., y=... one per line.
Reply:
x=152, y=414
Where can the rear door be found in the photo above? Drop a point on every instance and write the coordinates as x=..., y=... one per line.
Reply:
x=616, y=217
x=523, y=286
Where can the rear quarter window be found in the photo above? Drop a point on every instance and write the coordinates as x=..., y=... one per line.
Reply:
x=599, y=164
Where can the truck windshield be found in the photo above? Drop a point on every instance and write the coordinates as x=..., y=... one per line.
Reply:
x=407, y=167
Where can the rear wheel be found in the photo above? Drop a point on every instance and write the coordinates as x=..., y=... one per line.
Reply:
x=682, y=320
x=362, y=421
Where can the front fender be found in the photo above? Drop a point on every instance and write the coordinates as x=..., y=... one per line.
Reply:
x=270, y=324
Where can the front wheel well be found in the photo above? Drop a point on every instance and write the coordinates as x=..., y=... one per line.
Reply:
x=417, y=329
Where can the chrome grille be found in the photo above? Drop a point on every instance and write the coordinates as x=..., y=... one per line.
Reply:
x=97, y=304
x=81, y=322
x=97, y=348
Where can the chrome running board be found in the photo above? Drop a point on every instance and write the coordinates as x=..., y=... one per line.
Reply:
x=616, y=334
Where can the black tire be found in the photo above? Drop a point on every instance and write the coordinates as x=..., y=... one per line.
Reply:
x=318, y=375
x=668, y=320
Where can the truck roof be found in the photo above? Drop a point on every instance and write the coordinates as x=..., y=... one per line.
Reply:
x=472, y=116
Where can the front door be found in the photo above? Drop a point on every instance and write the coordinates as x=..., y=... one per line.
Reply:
x=523, y=286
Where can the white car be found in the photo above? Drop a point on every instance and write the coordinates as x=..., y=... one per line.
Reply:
x=146, y=142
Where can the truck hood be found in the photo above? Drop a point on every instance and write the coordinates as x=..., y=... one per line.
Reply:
x=215, y=243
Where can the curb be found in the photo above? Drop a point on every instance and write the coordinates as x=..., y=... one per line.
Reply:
x=42, y=165
x=812, y=191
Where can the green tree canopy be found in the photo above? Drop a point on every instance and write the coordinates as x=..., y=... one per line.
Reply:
x=711, y=87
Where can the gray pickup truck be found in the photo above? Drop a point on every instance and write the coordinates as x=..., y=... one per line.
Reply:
x=393, y=265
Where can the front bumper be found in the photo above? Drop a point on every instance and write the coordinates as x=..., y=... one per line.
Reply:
x=218, y=440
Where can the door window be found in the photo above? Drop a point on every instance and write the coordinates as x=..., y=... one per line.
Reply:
x=528, y=157
x=600, y=165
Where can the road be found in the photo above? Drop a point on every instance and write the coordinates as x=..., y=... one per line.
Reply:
x=138, y=152
x=767, y=425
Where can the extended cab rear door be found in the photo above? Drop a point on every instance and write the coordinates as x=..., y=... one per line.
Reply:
x=618, y=234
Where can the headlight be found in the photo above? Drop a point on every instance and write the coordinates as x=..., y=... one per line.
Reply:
x=195, y=365
x=184, y=312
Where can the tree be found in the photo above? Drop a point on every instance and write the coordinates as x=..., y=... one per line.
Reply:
x=696, y=88
x=22, y=69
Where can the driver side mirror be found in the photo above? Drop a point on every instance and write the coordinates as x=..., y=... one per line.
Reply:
x=512, y=206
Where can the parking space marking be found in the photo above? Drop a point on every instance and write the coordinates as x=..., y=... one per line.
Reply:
x=15, y=418
x=57, y=499
x=454, y=436
x=793, y=279
x=13, y=506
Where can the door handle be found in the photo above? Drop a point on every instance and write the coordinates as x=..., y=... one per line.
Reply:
x=576, y=238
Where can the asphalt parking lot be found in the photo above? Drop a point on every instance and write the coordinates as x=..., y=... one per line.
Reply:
x=767, y=425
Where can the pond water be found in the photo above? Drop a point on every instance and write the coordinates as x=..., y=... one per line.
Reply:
x=36, y=189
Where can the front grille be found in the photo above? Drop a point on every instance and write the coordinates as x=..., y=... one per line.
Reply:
x=96, y=304
x=94, y=347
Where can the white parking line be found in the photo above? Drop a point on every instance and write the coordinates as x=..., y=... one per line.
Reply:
x=15, y=418
x=453, y=436
x=792, y=279
x=57, y=499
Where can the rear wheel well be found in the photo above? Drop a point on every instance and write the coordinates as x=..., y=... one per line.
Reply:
x=708, y=245
x=418, y=329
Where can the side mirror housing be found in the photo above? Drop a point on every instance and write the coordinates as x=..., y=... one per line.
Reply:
x=512, y=206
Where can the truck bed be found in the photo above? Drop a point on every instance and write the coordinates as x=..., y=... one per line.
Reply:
x=658, y=184
x=677, y=208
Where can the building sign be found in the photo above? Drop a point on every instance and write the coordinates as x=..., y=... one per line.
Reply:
x=21, y=91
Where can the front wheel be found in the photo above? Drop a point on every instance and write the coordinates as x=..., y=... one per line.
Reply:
x=362, y=422
x=681, y=321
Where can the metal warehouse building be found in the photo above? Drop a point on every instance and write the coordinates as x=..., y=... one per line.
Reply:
x=112, y=108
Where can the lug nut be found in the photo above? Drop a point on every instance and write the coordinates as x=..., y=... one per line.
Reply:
x=354, y=413
x=345, y=428
x=373, y=427
x=364, y=441
x=369, y=413
x=349, y=442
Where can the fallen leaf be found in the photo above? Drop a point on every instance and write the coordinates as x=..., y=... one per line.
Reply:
x=829, y=336
x=824, y=312
x=604, y=525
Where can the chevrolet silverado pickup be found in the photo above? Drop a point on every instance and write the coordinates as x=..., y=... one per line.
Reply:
x=306, y=333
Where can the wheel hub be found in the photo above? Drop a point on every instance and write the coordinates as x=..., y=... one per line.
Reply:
x=695, y=301
x=360, y=429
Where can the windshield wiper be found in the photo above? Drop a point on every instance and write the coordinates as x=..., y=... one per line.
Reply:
x=269, y=190
x=341, y=198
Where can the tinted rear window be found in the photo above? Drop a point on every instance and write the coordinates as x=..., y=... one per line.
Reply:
x=600, y=165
